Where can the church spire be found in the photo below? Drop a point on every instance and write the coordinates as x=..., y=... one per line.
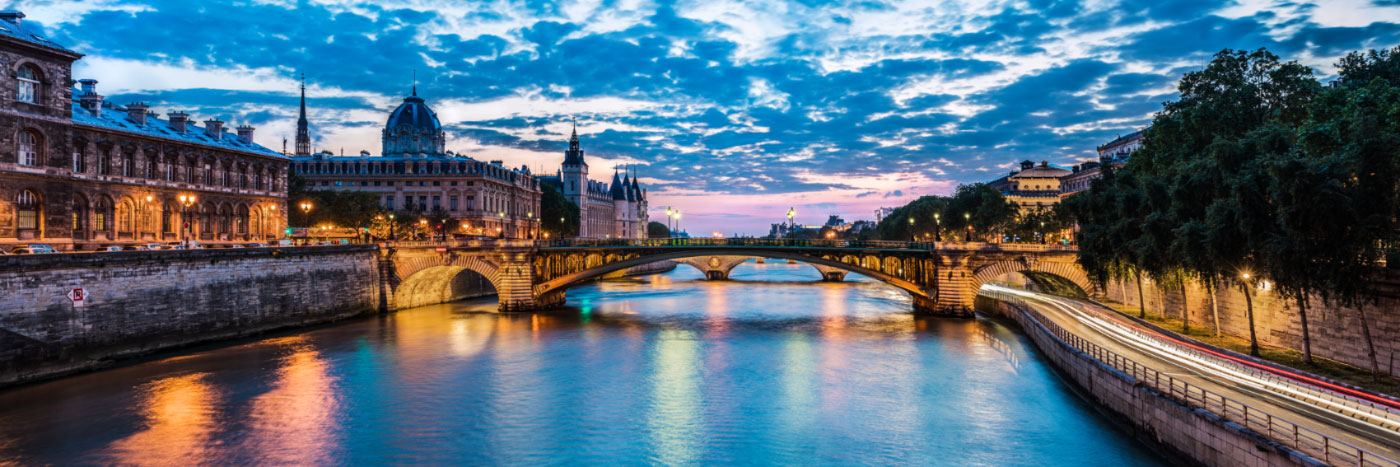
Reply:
x=574, y=156
x=415, y=82
x=303, y=130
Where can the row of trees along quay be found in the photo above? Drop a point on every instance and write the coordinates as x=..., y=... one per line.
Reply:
x=974, y=212
x=1258, y=176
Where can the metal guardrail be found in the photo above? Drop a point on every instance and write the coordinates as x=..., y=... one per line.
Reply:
x=787, y=242
x=735, y=242
x=1301, y=439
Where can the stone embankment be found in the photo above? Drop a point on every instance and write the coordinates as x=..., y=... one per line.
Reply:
x=1191, y=434
x=140, y=302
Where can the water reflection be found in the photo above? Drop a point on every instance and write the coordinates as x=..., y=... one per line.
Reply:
x=178, y=426
x=773, y=367
x=295, y=422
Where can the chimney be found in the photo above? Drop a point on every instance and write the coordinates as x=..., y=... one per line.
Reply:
x=12, y=16
x=136, y=111
x=89, y=99
x=245, y=133
x=179, y=121
x=214, y=128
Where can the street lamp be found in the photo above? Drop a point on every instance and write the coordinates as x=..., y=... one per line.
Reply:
x=1043, y=233
x=937, y=224
x=185, y=202
x=392, y=224
x=306, y=212
x=911, y=230
x=967, y=219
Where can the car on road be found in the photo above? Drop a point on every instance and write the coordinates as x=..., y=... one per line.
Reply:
x=235, y=246
x=256, y=245
x=111, y=248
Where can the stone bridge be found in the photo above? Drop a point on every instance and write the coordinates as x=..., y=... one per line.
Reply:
x=941, y=278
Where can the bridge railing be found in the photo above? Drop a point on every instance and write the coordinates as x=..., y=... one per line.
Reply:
x=788, y=242
x=1301, y=439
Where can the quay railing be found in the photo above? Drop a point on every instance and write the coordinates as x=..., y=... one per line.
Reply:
x=1304, y=440
x=789, y=242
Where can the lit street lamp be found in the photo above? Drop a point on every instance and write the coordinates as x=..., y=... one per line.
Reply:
x=911, y=230
x=967, y=219
x=937, y=224
x=185, y=202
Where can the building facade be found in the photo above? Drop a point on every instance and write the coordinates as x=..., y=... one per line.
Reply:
x=78, y=173
x=1115, y=152
x=1034, y=187
x=415, y=176
x=606, y=210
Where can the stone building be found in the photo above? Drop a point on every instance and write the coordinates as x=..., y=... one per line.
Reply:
x=79, y=173
x=606, y=210
x=1034, y=187
x=414, y=175
x=1114, y=152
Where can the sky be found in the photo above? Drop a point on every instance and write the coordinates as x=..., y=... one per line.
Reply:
x=732, y=111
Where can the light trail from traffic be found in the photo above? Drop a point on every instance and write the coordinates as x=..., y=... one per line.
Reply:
x=1316, y=402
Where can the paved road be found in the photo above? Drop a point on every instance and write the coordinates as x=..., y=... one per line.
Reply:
x=1369, y=426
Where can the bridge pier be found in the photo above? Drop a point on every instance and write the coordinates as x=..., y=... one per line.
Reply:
x=830, y=274
x=715, y=268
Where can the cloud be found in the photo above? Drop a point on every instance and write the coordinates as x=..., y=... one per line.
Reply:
x=734, y=109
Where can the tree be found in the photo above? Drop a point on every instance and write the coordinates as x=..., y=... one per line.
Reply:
x=658, y=230
x=558, y=216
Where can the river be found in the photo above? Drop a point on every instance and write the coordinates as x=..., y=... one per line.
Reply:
x=770, y=368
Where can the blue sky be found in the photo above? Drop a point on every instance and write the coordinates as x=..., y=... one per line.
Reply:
x=733, y=111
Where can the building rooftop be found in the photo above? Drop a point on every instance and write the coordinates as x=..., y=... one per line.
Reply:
x=114, y=117
x=12, y=26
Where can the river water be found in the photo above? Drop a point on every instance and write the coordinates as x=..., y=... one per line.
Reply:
x=771, y=368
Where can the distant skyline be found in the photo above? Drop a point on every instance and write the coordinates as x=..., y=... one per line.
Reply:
x=733, y=111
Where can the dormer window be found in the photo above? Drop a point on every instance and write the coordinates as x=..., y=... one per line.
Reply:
x=28, y=86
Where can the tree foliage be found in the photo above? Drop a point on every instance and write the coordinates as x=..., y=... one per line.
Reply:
x=558, y=216
x=978, y=205
x=657, y=230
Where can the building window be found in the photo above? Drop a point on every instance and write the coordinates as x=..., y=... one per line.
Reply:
x=452, y=203
x=151, y=168
x=437, y=203
x=376, y=183
x=471, y=203
x=389, y=203
x=422, y=203
x=28, y=90
x=454, y=183
x=208, y=175
x=170, y=171
x=100, y=214
x=79, y=214
x=127, y=164
x=27, y=211
x=391, y=183
x=78, y=166
x=165, y=219
x=28, y=148
x=103, y=163
x=437, y=183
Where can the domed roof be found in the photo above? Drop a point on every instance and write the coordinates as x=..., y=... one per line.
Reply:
x=414, y=113
x=413, y=130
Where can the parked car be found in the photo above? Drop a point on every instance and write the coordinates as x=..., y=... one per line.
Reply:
x=111, y=248
x=235, y=246
x=41, y=248
x=256, y=245
x=24, y=250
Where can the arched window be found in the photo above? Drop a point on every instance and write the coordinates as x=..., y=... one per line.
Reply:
x=29, y=148
x=204, y=214
x=100, y=214
x=27, y=211
x=240, y=221
x=28, y=90
x=79, y=214
x=125, y=214
x=165, y=220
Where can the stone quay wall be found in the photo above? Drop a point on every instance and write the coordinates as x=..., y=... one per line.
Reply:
x=141, y=302
x=1335, y=331
x=1190, y=434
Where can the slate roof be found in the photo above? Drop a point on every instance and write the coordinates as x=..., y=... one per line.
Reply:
x=115, y=118
x=17, y=31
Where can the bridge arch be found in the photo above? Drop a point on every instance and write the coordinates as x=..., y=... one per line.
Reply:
x=1069, y=272
x=429, y=280
x=923, y=297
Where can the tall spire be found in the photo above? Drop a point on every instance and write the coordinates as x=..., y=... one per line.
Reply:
x=574, y=156
x=303, y=130
x=415, y=82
